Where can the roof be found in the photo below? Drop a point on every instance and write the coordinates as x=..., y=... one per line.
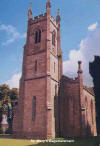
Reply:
x=66, y=78
x=89, y=89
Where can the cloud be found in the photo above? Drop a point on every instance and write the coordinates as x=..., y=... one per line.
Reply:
x=14, y=81
x=93, y=26
x=12, y=34
x=88, y=47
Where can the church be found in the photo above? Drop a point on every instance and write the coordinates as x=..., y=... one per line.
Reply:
x=50, y=104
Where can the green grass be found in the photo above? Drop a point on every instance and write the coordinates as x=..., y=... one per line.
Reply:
x=14, y=142
x=95, y=141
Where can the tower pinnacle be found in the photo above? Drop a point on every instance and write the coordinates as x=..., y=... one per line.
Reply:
x=80, y=72
x=48, y=6
x=58, y=17
x=30, y=5
x=58, y=12
x=79, y=67
x=30, y=11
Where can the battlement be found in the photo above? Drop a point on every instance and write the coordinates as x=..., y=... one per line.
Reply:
x=40, y=17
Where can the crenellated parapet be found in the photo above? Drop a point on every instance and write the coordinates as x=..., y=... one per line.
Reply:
x=42, y=17
x=37, y=19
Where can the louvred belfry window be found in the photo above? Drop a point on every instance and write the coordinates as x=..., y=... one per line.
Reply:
x=37, y=36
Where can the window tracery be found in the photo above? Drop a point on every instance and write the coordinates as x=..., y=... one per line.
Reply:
x=37, y=36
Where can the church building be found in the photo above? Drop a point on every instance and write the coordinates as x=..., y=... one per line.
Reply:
x=50, y=104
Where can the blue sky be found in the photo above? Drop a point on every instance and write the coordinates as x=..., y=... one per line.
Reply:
x=80, y=26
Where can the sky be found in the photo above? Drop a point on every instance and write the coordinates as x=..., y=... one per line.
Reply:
x=80, y=35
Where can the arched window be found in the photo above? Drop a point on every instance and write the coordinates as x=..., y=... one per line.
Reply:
x=92, y=111
x=53, y=38
x=55, y=90
x=35, y=65
x=38, y=36
x=33, y=107
x=39, y=39
x=86, y=104
x=71, y=111
x=55, y=101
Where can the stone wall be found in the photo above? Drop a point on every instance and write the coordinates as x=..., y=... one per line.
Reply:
x=72, y=121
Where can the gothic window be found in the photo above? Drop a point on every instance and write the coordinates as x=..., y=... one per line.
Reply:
x=55, y=100
x=37, y=36
x=35, y=65
x=92, y=111
x=39, y=39
x=33, y=107
x=54, y=106
x=53, y=38
x=86, y=103
x=71, y=111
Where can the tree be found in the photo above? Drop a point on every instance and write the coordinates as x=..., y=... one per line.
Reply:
x=14, y=94
x=4, y=94
x=8, y=99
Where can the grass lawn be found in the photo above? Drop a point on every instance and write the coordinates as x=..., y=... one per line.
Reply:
x=78, y=142
x=14, y=142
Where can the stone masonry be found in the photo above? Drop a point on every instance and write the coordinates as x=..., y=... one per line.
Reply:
x=50, y=105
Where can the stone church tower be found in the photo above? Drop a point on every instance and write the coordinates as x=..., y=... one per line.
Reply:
x=41, y=73
x=50, y=104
